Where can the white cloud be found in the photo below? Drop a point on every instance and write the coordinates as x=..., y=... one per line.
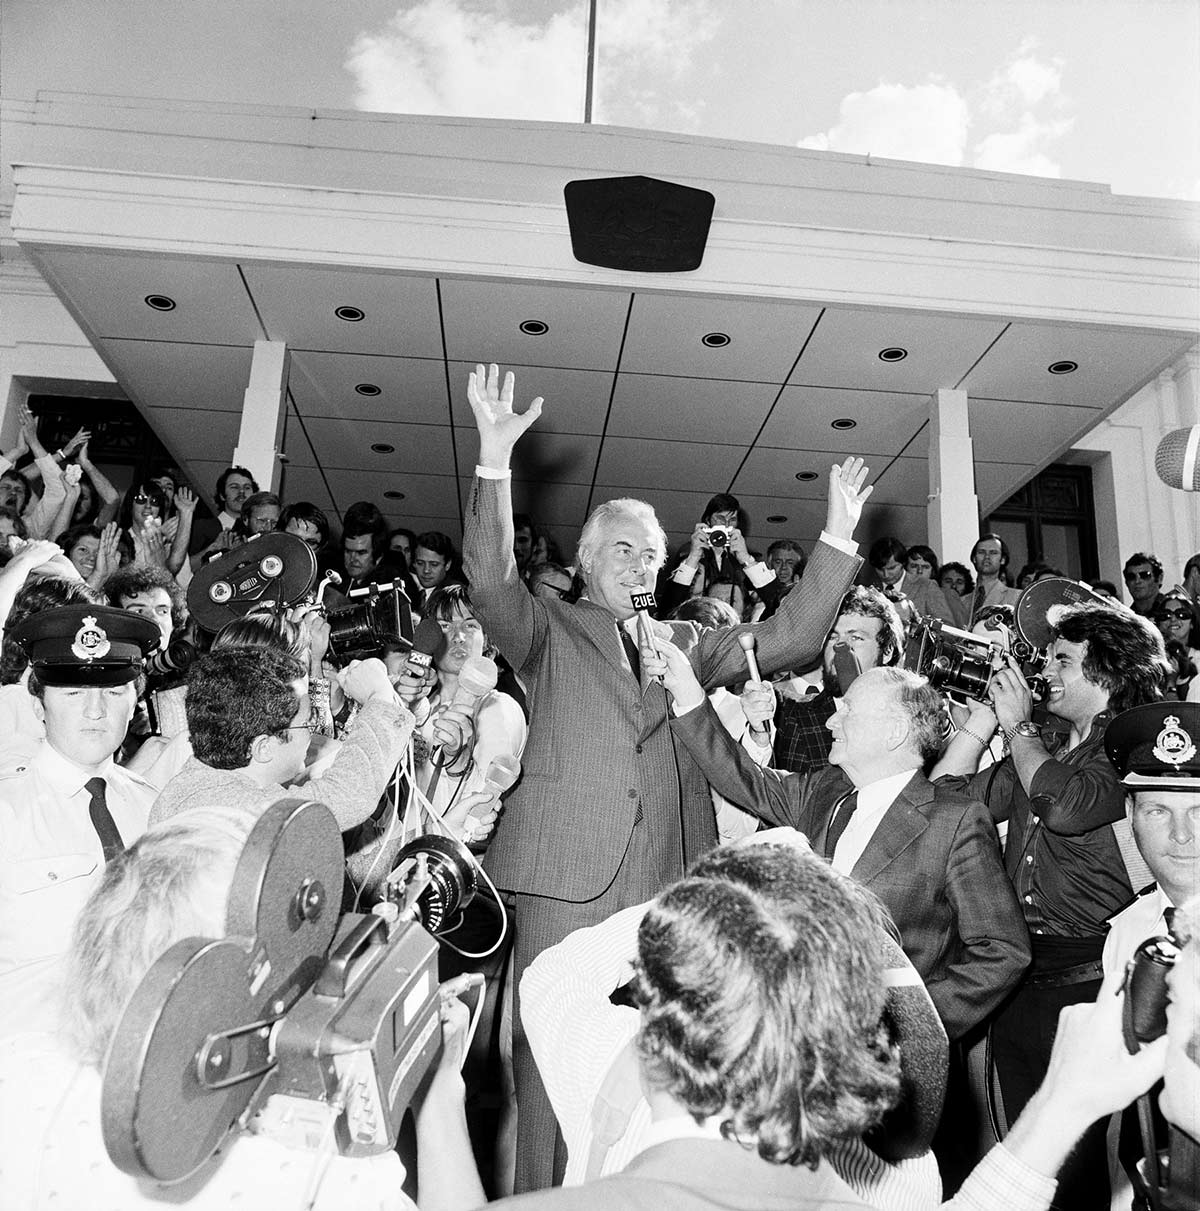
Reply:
x=1017, y=116
x=1022, y=150
x=442, y=57
x=453, y=57
x=925, y=122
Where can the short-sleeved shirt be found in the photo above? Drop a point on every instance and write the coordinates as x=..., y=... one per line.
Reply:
x=51, y=859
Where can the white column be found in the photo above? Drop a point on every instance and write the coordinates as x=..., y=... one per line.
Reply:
x=263, y=407
x=953, y=510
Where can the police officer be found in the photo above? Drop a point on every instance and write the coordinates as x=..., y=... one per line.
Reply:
x=66, y=809
x=1155, y=750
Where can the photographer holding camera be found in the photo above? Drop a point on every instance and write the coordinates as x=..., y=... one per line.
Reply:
x=717, y=554
x=1060, y=798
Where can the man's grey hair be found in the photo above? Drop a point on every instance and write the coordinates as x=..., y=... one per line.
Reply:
x=921, y=703
x=611, y=511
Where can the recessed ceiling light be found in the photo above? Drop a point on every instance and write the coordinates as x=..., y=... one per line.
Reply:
x=844, y=422
x=382, y=448
x=367, y=389
x=534, y=327
x=776, y=519
x=806, y=476
x=1063, y=367
x=392, y=494
x=350, y=314
x=716, y=340
x=893, y=354
x=160, y=302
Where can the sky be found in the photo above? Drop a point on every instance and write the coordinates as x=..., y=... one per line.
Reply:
x=1094, y=90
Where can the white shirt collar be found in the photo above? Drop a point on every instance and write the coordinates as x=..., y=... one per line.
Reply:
x=65, y=776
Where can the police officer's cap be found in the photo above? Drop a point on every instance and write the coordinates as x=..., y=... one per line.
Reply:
x=1156, y=745
x=86, y=644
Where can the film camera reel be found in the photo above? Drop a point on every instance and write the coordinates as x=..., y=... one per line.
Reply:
x=269, y=569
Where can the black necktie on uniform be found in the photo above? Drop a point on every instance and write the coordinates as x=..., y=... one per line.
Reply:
x=631, y=651
x=837, y=825
x=102, y=821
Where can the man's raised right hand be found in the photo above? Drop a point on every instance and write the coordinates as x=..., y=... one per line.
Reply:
x=500, y=428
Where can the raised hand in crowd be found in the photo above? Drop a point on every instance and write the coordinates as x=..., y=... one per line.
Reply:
x=500, y=428
x=108, y=555
x=77, y=443
x=149, y=546
x=848, y=492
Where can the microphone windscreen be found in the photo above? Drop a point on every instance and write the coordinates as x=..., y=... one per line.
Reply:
x=502, y=772
x=1176, y=461
x=747, y=640
x=478, y=676
x=427, y=637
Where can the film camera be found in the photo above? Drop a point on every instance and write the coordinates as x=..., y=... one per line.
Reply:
x=273, y=572
x=718, y=537
x=295, y=1025
x=962, y=664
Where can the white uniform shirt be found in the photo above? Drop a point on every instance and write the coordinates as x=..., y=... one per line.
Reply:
x=50, y=861
x=1132, y=926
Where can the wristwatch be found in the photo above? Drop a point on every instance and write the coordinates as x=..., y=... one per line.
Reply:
x=1026, y=728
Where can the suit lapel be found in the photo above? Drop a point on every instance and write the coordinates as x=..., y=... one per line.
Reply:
x=901, y=825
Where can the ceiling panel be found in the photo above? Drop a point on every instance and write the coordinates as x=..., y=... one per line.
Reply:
x=346, y=444
x=305, y=483
x=1012, y=431
x=424, y=495
x=202, y=378
x=110, y=291
x=584, y=327
x=649, y=465
x=544, y=457
x=1112, y=364
x=297, y=304
x=996, y=482
x=665, y=334
x=689, y=409
x=176, y=428
x=576, y=401
x=771, y=473
x=844, y=350
x=885, y=422
x=410, y=389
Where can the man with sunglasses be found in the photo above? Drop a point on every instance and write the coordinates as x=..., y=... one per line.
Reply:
x=1143, y=580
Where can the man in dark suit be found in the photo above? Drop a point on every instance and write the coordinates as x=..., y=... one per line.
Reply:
x=609, y=809
x=929, y=853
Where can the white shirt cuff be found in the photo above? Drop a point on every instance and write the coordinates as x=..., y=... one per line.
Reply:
x=758, y=574
x=846, y=545
x=686, y=711
x=684, y=574
x=492, y=473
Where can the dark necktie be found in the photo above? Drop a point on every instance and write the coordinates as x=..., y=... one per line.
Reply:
x=977, y=603
x=631, y=651
x=102, y=821
x=841, y=817
x=1169, y=920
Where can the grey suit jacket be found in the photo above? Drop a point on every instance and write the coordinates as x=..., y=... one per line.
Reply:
x=600, y=759
x=934, y=862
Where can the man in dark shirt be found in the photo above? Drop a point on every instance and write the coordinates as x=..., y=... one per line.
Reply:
x=1060, y=798
x=868, y=634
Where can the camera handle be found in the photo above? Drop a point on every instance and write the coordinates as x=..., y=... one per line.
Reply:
x=335, y=975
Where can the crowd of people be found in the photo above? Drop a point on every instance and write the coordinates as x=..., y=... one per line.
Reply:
x=793, y=922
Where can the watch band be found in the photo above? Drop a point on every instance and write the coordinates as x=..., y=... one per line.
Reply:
x=1026, y=728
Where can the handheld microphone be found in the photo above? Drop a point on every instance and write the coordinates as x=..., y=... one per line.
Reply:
x=643, y=603
x=1176, y=459
x=427, y=638
x=477, y=677
x=502, y=772
x=748, y=642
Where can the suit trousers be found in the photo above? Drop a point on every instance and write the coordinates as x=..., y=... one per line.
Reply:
x=542, y=922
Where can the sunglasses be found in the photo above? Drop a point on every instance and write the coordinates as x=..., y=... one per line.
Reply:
x=1178, y=615
x=143, y=499
x=1139, y=576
